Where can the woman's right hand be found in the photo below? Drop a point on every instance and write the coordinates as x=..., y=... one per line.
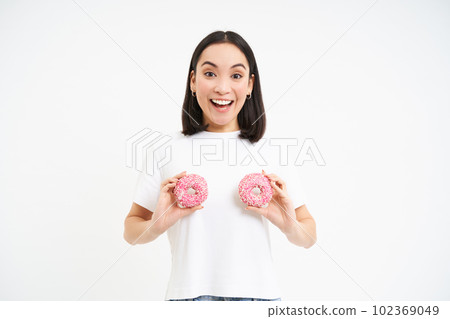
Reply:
x=167, y=212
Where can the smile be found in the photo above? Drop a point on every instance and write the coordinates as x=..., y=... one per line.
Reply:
x=222, y=102
x=222, y=106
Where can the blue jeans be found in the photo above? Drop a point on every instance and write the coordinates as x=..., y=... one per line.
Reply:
x=217, y=298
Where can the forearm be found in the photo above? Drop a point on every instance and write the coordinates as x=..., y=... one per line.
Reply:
x=303, y=234
x=138, y=231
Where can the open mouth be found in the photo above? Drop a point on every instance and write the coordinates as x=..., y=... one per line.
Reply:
x=221, y=107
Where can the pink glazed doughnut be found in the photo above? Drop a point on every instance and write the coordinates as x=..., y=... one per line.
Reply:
x=247, y=186
x=190, y=190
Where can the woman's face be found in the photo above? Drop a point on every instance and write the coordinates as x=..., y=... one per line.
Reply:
x=222, y=75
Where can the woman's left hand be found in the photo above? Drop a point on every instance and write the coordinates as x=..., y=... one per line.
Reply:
x=280, y=211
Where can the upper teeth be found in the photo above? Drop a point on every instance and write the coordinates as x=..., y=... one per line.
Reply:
x=221, y=102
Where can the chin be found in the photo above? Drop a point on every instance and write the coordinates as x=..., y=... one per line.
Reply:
x=225, y=122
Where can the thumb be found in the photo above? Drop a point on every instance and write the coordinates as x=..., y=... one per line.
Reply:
x=188, y=211
x=253, y=208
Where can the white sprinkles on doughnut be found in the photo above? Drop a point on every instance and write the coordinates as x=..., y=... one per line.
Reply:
x=186, y=186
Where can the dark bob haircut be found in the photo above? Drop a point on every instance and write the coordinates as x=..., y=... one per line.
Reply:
x=251, y=118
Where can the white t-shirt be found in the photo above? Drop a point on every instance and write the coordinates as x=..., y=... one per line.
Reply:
x=222, y=249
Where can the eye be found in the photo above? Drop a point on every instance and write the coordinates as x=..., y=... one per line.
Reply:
x=208, y=73
x=239, y=76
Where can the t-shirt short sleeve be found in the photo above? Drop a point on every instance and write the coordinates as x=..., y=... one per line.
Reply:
x=148, y=188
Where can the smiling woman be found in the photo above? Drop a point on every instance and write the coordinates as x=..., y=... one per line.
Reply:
x=223, y=91
x=220, y=251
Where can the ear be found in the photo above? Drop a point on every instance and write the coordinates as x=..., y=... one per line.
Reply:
x=250, y=84
x=192, y=76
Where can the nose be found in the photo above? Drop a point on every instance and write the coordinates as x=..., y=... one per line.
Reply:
x=223, y=86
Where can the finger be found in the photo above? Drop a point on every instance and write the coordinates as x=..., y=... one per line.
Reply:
x=169, y=180
x=187, y=211
x=257, y=210
x=280, y=184
x=173, y=179
x=165, y=182
x=277, y=179
x=272, y=184
x=168, y=186
x=179, y=175
x=277, y=189
x=273, y=176
x=253, y=208
x=196, y=207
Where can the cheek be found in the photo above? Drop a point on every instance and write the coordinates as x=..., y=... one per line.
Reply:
x=241, y=90
x=203, y=87
x=203, y=91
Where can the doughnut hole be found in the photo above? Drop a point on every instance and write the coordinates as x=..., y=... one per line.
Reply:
x=256, y=191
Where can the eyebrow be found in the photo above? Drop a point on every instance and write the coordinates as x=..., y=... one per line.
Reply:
x=234, y=66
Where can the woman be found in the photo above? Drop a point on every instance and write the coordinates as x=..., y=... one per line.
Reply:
x=223, y=251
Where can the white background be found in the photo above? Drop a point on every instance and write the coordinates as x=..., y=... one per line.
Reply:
x=372, y=93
